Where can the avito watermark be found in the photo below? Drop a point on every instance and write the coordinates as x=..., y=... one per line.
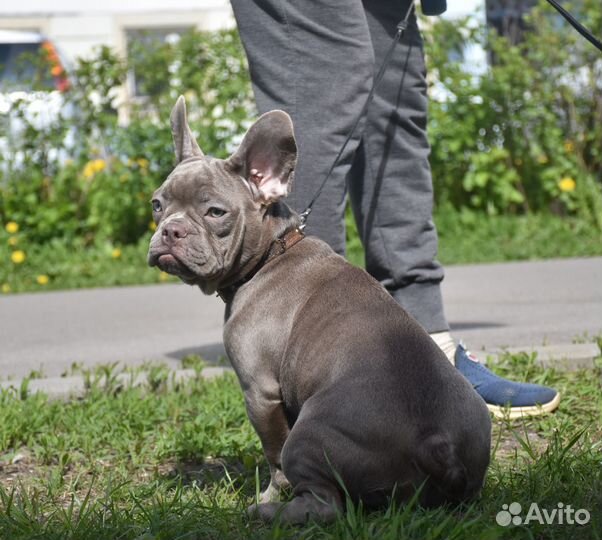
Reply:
x=563, y=514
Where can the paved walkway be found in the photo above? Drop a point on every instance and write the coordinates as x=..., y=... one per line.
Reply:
x=488, y=306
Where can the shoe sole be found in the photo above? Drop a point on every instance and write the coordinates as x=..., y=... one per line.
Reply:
x=520, y=412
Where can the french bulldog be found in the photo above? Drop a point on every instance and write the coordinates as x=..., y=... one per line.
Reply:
x=348, y=394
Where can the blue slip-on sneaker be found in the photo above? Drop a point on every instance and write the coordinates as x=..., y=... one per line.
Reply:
x=504, y=398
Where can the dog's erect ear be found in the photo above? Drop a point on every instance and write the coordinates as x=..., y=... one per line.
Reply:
x=266, y=157
x=183, y=139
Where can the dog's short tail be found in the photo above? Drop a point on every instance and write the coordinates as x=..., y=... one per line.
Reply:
x=446, y=475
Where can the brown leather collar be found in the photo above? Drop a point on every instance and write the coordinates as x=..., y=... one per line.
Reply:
x=278, y=247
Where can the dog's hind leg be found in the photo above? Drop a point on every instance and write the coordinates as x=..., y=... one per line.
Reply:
x=318, y=504
x=317, y=494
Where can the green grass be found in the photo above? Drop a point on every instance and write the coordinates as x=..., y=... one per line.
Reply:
x=465, y=237
x=166, y=463
x=73, y=265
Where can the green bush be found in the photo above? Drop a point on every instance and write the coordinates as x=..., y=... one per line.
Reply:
x=101, y=192
x=526, y=136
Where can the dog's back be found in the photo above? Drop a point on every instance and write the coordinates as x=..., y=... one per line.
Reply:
x=374, y=398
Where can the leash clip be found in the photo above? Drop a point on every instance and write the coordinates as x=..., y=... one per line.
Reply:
x=402, y=26
x=304, y=215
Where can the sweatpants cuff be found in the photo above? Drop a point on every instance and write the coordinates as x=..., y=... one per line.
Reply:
x=424, y=302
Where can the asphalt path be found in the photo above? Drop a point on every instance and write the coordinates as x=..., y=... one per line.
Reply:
x=489, y=306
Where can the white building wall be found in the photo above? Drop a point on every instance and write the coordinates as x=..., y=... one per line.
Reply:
x=77, y=27
x=78, y=35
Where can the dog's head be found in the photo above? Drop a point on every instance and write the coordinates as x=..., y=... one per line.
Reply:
x=215, y=217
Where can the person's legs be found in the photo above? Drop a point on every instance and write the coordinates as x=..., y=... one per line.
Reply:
x=390, y=182
x=315, y=61
x=391, y=192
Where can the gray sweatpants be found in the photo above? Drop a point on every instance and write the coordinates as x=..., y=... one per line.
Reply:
x=316, y=59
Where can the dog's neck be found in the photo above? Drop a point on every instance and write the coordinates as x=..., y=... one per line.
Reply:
x=281, y=233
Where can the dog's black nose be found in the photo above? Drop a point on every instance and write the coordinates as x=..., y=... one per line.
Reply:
x=174, y=231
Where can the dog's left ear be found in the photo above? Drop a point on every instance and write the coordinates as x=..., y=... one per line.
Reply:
x=266, y=157
x=185, y=144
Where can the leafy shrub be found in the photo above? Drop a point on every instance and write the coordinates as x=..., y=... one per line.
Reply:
x=89, y=175
x=524, y=137
x=527, y=134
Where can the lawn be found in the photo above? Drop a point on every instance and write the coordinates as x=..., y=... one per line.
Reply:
x=465, y=237
x=183, y=462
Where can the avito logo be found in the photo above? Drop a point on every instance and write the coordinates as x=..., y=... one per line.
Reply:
x=561, y=515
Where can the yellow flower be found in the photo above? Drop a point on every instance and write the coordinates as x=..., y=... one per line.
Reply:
x=567, y=184
x=17, y=256
x=94, y=166
x=88, y=171
x=142, y=163
x=43, y=279
x=5, y=288
x=543, y=159
x=12, y=227
x=152, y=226
x=116, y=253
x=569, y=146
x=163, y=276
x=13, y=241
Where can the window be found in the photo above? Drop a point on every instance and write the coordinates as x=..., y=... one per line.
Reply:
x=148, y=54
x=30, y=65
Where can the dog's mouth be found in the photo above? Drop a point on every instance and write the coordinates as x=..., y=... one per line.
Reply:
x=167, y=259
x=170, y=263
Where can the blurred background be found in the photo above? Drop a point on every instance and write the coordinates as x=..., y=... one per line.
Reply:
x=86, y=89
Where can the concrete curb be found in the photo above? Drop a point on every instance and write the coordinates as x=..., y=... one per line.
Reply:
x=567, y=357
x=76, y=386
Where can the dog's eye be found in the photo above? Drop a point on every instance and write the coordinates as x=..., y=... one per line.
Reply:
x=216, y=212
x=156, y=205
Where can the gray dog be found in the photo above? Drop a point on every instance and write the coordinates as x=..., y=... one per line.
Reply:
x=343, y=387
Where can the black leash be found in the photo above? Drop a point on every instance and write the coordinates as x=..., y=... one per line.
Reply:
x=401, y=28
x=576, y=25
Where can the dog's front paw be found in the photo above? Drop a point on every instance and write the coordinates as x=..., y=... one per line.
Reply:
x=278, y=482
x=265, y=512
x=270, y=494
x=298, y=511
